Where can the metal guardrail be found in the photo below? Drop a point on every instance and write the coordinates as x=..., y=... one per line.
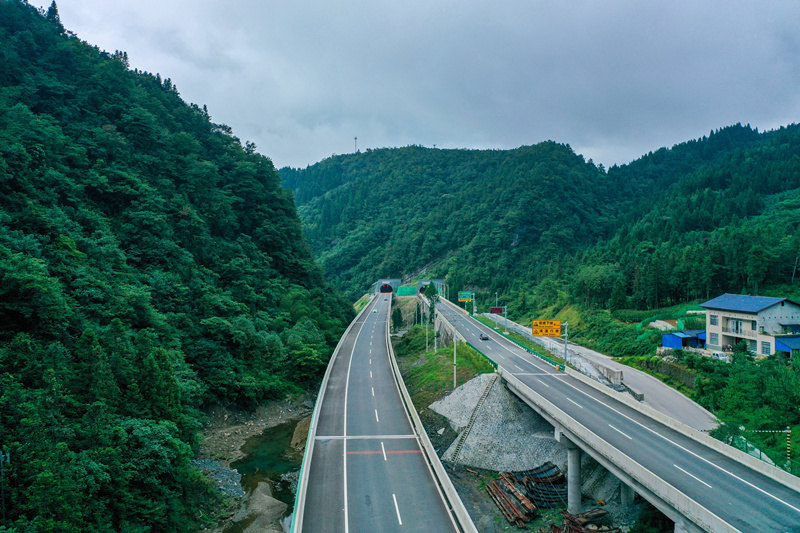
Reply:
x=541, y=356
x=302, y=484
x=445, y=485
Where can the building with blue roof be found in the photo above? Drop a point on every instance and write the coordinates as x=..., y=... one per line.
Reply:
x=690, y=338
x=759, y=321
x=789, y=345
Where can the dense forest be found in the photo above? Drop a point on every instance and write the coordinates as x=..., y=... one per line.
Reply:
x=487, y=218
x=707, y=216
x=150, y=264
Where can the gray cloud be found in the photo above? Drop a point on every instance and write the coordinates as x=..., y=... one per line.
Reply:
x=613, y=79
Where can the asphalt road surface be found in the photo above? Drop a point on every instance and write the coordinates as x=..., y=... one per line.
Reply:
x=367, y=472
x=657, y=394
x=747, y=500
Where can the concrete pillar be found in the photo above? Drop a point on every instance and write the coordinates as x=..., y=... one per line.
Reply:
x=626, y=495
x=574, y=479
x=573, y=472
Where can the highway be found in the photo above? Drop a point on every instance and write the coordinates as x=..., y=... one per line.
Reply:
x=747, y=500
x=367, y=472
x=657, y=394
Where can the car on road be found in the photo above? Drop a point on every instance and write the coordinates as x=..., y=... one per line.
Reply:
x=374, y=310
x=386, y=299
x=484, y=337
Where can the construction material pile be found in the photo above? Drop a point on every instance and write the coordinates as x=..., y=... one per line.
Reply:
x=514, y=505
x=545, y=485
x=585, y=522
x=519, y=494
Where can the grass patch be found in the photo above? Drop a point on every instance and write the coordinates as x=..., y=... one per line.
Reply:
x=524, y=341
x=362, y=302
x=429, y=376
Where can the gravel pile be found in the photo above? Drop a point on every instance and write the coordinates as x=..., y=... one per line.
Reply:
x=457, y=406
x=227, y=479
x=506, y=435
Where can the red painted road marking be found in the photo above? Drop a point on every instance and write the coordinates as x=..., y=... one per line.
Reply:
x=380, y=452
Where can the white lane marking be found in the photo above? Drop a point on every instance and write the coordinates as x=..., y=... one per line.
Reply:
x=370, y=374
x=376, y=416
x=656, y=433
x=373, y=391
x=692, y=476
x=543, y=383
x=396, y=508
x=576, y=403
x=370, y=360
x=517, y=366
x=344, y=444
x=620, y=432
x=384, y=451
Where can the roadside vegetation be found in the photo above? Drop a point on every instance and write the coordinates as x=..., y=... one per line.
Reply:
x=429, y=375
x=151, y=266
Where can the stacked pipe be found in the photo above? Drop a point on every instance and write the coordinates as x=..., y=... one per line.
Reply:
x=516, y=508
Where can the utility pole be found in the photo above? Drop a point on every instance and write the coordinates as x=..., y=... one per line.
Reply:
x=495, y=298
x=505, y=317
x=454, y=360
x=355, y=144
x=566, y=336
x=427, y=319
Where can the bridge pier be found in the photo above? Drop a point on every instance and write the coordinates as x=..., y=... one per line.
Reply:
x=573, y=472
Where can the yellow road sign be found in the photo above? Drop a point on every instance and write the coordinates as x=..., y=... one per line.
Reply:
x=546, y=328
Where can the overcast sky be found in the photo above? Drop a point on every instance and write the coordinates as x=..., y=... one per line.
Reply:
x=614, y=79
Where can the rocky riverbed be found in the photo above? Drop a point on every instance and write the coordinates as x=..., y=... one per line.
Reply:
x=224, y=435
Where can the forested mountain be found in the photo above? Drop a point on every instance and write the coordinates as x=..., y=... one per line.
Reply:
x=486, y=218
x=707, y=216
x=727, y=222
x=149, y=263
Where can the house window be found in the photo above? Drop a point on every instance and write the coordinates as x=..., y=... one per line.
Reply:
x=713, y=339
x=753, y=325
x=714, y=320
x=764, y=348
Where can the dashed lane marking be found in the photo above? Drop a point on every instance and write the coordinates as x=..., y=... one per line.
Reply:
x=692, y=476
x=576, y=403
x=620, y=432
x=396, y=508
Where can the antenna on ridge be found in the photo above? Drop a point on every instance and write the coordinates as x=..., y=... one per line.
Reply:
x=355, y=144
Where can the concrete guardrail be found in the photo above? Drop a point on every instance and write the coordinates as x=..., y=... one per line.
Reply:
x=445, y=485
x=782, y=476
x=577, y=432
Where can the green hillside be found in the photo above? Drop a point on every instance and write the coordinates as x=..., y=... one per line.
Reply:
x=149, y=264
x=710, y=215
x=727, y=223
x=484, y=218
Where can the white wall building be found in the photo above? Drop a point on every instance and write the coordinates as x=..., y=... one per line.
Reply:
x=757, y=320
